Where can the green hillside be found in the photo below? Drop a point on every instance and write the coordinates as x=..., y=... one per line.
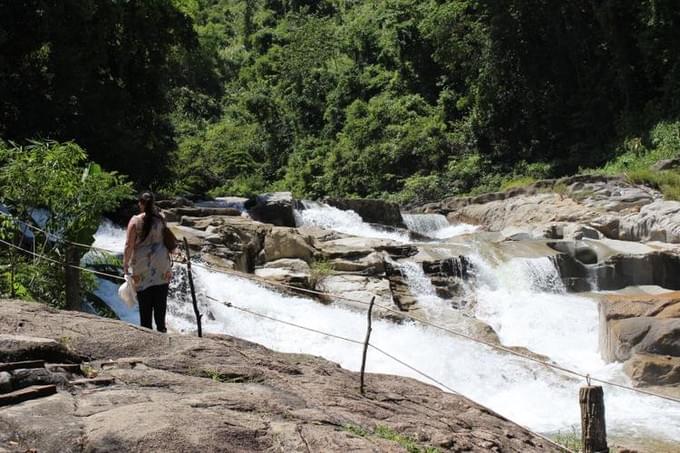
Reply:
x=406, y=99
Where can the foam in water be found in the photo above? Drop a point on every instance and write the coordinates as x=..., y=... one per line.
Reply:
x=523, y=391
x=525, y=302
x=110, y=237
x=224, y=202
x=348, y=222
x=435, y=226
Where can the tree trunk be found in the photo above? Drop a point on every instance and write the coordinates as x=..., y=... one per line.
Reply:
x=73, y=300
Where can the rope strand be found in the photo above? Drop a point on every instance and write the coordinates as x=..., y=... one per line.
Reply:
x=442, y=328
x=386, y=354
x=357, y=301
x=46, y=258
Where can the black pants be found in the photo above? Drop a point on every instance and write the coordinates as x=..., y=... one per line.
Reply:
x=153, y=301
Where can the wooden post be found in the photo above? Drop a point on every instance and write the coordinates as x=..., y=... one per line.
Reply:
x=72, y=275
x=368, y=336
x=193, y=290
x=593, y=429
x=12, y=273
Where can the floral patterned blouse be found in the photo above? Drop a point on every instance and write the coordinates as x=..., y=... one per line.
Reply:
x=150, y=259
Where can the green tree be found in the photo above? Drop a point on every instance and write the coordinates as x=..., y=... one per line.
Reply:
x=73, y=193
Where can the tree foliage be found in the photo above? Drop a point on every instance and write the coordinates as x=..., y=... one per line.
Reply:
x=52, y=186
x=361, y=97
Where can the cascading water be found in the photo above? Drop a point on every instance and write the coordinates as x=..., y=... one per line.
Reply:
x=110, y=237
x=224, y=202
x=520, y=298
x=525, y=302
x=348, y=222
x=523, y=391
x=435, y=226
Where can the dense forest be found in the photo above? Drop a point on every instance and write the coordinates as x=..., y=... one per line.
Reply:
x=405, y=99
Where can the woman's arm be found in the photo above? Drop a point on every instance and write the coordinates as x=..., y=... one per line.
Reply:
x=130, y=241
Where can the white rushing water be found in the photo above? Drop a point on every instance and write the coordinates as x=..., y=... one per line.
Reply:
x=522, y=299
x=110, y=237
x=435, y=226
x=348, y=222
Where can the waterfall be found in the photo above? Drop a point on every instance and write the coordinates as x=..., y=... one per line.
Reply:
x=435, y=226
x=110, y=237
x=224, y=202
x=525, y=302
x=348, y=222
x=419, y=283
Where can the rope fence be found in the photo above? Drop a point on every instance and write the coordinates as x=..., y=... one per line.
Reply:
x=297, y=289
x=592, y=405
x=386, y=354
x=498, y=347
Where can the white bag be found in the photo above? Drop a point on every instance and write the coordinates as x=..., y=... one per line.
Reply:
x=127, y=292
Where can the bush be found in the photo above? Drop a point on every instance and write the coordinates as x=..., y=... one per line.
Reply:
x=521, y=181
x=667, y=182
x=664, y=143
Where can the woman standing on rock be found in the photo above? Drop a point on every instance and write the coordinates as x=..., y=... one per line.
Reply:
x=149, y=262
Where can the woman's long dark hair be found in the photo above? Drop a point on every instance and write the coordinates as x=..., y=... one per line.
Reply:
x=150, y=212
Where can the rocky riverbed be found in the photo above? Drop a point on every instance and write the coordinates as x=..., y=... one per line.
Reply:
x=602, y=234
x=581, y=272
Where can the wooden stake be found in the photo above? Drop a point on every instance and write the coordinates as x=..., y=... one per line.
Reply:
x=22, y=365
x=193, y=290
x=28, y=393
x=72, y=275
x=593, y=429
x=368, y=336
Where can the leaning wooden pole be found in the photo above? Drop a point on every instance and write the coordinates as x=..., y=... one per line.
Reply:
x=593, y=428
x=368, y=337
x=193, y=290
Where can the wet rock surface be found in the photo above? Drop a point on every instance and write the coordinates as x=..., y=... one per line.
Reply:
x=178, y=393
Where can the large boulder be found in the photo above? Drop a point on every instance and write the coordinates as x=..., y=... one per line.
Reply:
x=293, y=272
x=666, y=164
x=652, y=369
x=233, y=242
x=361, y=289
x=17, y=348
x=644, y=332
x=656, y=268
x=277, y=208
x=371, y=211
x=284, y=242
x=575, y=231
x=373, y=264
x=657, y=221
x=537, y=209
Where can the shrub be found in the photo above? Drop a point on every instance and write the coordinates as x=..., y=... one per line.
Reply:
x=521, y=181
x=667, y=182
x=319, y=269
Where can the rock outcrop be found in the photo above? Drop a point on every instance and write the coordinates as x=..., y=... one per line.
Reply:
x=177, y=393
x=644, y=332
x=276, y=208
x=371, y=211
x=607, y=206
